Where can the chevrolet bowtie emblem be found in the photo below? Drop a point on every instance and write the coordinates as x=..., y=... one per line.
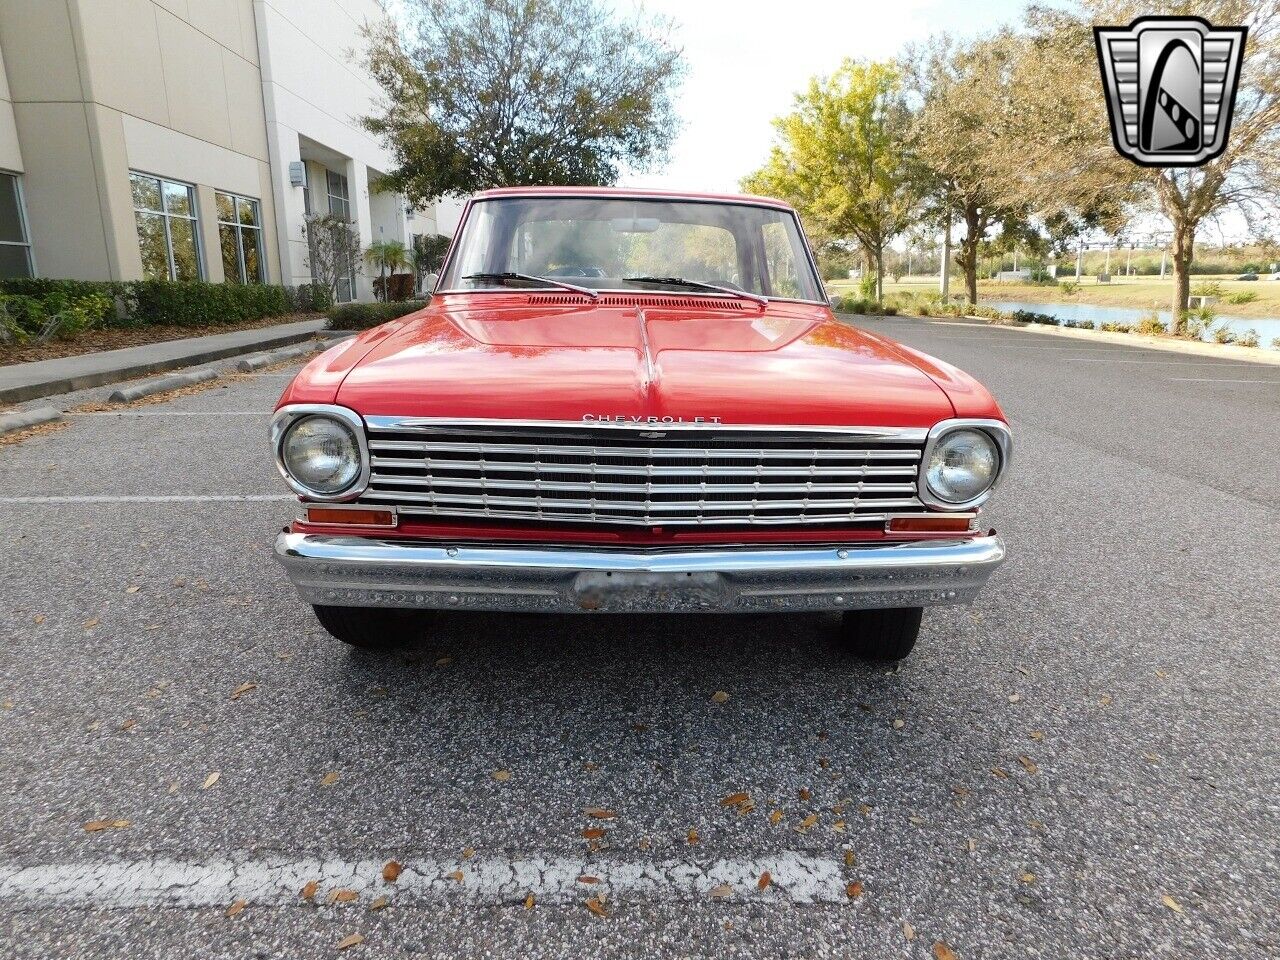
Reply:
x=1171, y=85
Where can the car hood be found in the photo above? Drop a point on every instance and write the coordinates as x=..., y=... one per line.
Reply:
x=550, y=357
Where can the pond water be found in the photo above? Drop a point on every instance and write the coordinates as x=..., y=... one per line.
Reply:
x=1268, y=328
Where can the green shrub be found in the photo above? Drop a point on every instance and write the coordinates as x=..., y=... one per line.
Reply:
x=309, y=298
x=1069, y=287
x=363, y=316
x=1028, y=316
x=1207, y=288
x=1248, y=339
x=1150, y=324
x=889, y=310
x=102, y=304
x=867, y=287
x=1224, y=335
x=1244, y=296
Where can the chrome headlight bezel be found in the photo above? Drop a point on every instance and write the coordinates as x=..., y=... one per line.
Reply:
x=995, y=430
x=286, y=417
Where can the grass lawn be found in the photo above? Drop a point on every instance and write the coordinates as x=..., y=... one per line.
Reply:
x=1139, y=292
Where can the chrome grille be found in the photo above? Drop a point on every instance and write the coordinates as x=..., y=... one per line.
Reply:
x=646, y=475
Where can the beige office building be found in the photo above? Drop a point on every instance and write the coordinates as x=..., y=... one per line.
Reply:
x=188, y=139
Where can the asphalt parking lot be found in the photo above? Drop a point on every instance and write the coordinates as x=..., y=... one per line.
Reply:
x=1086, y=763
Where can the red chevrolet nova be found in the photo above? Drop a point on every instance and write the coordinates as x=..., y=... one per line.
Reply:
x=625, y=401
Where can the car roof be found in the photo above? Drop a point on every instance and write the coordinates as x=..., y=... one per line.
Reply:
x=635, y=193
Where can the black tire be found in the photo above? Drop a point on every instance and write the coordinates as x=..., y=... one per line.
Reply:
x=372, y=628
x=881, y=635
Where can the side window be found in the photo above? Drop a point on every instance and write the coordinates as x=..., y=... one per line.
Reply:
x=168, y=232
x=780, y=260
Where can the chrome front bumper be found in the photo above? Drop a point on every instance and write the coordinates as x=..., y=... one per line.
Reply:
x=365, y=572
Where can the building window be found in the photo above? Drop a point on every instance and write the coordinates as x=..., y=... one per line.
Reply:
x=340, y=206
x=15, y=244
x=168, y=228
x=240, y=236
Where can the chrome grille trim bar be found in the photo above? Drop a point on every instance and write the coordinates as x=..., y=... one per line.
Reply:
x=509, y=466
x=382, y=424
x=643, y=453
x=566, y=486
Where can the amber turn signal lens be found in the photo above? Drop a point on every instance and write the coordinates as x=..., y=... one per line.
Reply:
x=927, y=524
x=363, y=518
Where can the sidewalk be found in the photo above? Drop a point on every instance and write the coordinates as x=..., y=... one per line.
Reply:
x=28, y=381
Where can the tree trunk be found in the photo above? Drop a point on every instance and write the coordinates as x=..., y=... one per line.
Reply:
x=1183, y=249
x=880, y=276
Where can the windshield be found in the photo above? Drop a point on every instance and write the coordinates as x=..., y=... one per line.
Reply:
x=628, y=244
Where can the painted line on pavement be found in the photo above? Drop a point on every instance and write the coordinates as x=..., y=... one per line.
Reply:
x=1181, y=363
x=1216, y=380
x=161, y=882
x=176, y=498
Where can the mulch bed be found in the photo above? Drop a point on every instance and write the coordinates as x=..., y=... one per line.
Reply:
x=94, y=341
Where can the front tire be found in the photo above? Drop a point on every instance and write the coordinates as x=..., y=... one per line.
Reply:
x=371, y=628
x=885, y=636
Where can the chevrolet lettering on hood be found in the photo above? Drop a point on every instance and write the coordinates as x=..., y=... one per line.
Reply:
x=444, y=461
x=631, y=418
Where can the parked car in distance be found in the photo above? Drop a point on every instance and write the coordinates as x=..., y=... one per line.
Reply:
x=683, y=426
x=1247, y=276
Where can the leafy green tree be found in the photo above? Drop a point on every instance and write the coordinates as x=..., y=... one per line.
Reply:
x=963, y=118
x=1066, y=161
x=840, y=159
x=485, y=93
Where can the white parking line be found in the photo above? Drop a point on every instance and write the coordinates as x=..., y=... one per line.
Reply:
x=1184, y=363
x=1216, y=380
x=159, y=882
x=176, y=498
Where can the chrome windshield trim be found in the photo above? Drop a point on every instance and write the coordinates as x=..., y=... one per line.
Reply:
x=637, y=292
x=389, y=424
x=997, y=430
x=286, y=416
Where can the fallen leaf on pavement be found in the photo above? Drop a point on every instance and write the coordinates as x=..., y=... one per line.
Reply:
x=133, y=589
x=804, y=793
x=457, y=876
x=719, y=697
x=899, y=724
x=1171, y=903
x=864, y=809
x=38, y=618
x=775, y=817
x=1015, y=698
x=971, y=844
x=585, y=878
x=596, y=906
x=1028, y=878
x=529, y=902
x=599, y=813
x=468, y=853
x=721, y=891
x=502, y=776
x=343, y=896
x=93, y=826
x=237, y=908
x=90, y=624
x=1105, y=699
x=1036, y=735
x=391, y=871
x=942, y=952
x=809, y=821
x=908, y=931
x=379, y=904
x=853, y=890
x=309, y=890
x=593, y=833
x=1028, y=764
x=848, y=858
x=733, y=799
x=346, y=943
x=1000, y=772
x=330, y=778
x=766, y=878
x=210, y=780
x=241, y=690
x=692, y=836
x=129, y=724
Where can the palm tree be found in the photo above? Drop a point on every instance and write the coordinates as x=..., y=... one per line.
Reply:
x=386, y=256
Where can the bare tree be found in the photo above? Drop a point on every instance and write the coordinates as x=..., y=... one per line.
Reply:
x=333, y=250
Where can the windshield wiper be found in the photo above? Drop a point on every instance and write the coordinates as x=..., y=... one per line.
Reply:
x=699, y=285
x=593, y=294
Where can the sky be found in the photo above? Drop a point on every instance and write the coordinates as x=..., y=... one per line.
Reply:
x=747, y=59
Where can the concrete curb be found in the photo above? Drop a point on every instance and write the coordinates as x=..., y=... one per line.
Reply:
x=161, y=384
x=43, y=378
x=1222, y=351
x=257, y=361
x=22, y=419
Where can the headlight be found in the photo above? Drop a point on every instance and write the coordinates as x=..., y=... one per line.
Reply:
x=321, y=454
x=963, y=464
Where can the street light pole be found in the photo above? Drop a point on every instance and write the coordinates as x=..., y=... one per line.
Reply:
x=944, y=271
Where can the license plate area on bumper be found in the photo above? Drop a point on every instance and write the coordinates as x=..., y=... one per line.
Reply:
x=616, y=591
